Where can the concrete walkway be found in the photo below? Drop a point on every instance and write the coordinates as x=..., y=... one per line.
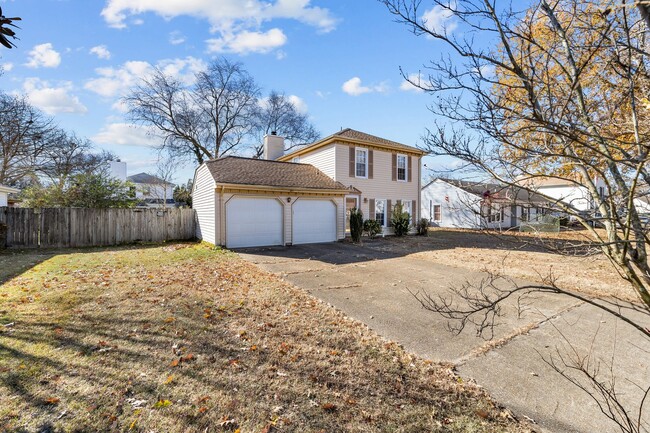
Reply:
x=375, y=284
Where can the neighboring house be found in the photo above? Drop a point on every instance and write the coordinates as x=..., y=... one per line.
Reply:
x=304, y=196
x=479, y=205
x=573, y=193
x=642, y=203
x=152, y=191
x=4, y=195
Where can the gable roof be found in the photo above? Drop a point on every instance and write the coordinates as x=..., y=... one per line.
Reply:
x=261, y=172
x=356, y=137
x=497, y=191
x=147, y=179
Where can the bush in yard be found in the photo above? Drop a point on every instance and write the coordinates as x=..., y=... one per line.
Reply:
x=423, y=227
x=400, y=220
x=356, y=224
x=372, y=228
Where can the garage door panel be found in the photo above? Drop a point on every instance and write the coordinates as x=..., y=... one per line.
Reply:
x=314, y=221
x=253, y=222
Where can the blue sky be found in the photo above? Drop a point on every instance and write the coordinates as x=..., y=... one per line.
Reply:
x=339, y=59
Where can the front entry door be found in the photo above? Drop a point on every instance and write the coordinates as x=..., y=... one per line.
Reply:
x=350, y=203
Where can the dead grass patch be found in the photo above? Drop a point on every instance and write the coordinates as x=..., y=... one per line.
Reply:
x=520, y=255
x=188, y=338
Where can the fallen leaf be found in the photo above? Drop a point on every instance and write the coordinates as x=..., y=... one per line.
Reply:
x=203, y=399
x=52, y=400
x=187, y=358
x=203, y=409
x=175, y=363
x=162, y=403
x=170, y=320
x=329, y=407
x=169, y=380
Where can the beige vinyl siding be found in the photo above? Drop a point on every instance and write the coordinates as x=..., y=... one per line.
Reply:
x=381, y=186
x=323, y=159
x=204, y=203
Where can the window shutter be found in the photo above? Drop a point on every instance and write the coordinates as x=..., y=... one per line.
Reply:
x=394, y=166
x=370, y=163
x=414, y=211
x=352, y=161
x=389, y=212
x=371, y=209
x=409, y=169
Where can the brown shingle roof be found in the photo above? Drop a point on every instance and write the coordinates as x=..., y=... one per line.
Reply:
x=352, y=134
x=248, y=171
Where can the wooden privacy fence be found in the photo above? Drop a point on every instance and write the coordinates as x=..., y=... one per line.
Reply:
x=74, y=227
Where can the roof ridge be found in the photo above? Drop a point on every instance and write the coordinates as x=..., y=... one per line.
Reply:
x=255, y=159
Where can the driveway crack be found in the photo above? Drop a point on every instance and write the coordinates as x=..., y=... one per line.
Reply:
x=495, y=344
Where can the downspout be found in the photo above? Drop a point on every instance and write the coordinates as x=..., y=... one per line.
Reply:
x=222, y=216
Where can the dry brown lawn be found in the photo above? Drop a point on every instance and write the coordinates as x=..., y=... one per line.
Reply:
x=186, y=338
x=525, y=256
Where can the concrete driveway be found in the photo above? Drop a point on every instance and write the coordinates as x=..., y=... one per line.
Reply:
x=375, y=282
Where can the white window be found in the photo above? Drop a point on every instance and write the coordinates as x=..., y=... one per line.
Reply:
x=361, y=163
x=494, y=213
x=406, y=206
x=380, y=212
x=436, y=212
x=401, y=167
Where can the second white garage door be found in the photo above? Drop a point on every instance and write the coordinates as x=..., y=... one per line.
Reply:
x=253, y=222
x=314, y=221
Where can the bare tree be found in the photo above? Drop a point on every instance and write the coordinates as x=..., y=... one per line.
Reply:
x=545, y=103
x=278, y=113
x=66, y=155
x=202, y=121
x=24, y=134
x=164, y=175
x=558, y=90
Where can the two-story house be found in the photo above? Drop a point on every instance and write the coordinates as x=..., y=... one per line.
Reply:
x=305, y=196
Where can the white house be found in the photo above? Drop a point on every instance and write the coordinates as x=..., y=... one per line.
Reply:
x=573, y=193
x=152, y=191
x=304, y=196
x=478, y=205
x=4, y=194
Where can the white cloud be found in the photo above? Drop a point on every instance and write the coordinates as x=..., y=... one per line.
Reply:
x=298, y=103
x=407, y=85
x=226, y=15
x=488, y=71
x=101, y=52
x=322, y=95
x=43, y=55
x=53, y=99
x=280, y=55
x=7, y=67
x=126, y=134
x=354, y=87
x=247, y=42
x=440, y=20
x=176, y=38
x=116, y=82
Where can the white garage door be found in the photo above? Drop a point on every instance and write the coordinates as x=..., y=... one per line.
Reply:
x=314, y=221
x=253, y=222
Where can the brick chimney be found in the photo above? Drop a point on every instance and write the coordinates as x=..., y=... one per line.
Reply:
x=273, y=146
